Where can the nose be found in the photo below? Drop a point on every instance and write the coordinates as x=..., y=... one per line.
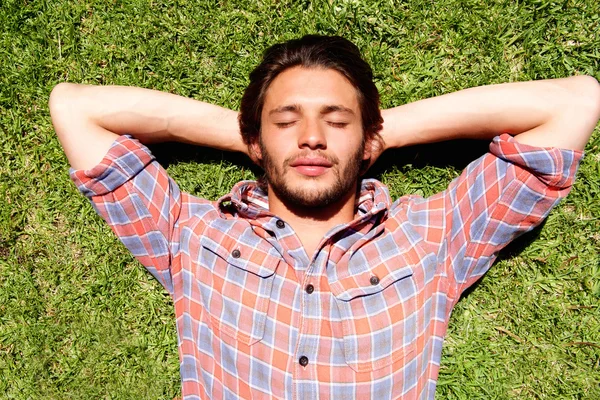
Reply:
x=312, y=136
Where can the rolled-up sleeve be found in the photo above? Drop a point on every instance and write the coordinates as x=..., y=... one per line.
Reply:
x=140, y=202
x=501, y=195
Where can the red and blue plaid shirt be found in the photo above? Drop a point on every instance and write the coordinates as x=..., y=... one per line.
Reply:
x=365, y=316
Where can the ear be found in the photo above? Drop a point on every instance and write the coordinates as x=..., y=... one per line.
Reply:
x=255, y=153
x=373, y=149
x=368, y=150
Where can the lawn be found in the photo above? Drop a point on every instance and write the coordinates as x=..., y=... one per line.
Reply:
x=81, y=319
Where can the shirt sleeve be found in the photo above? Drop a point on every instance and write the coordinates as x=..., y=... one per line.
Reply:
x=140, y=202
x=501, y=195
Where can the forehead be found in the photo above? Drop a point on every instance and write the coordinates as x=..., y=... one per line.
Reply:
x=310, y=89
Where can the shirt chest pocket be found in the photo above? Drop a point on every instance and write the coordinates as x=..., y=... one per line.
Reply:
x=378, y=314
x=235, y=283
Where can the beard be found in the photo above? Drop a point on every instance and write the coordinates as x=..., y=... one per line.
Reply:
x=311, y=195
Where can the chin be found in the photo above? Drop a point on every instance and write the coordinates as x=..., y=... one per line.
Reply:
x=312, y=192
x=316, y=197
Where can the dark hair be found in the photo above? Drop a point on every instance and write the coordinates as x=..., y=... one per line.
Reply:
x=311, y=51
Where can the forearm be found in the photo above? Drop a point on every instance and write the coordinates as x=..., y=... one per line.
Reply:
x=551, y=113
x=87, y=119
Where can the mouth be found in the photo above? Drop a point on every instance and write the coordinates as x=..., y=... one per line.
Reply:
x=311, y=166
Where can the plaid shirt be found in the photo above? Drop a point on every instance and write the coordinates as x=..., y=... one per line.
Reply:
x=365, y=316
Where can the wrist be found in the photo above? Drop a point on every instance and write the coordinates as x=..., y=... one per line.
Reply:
x=396, y=131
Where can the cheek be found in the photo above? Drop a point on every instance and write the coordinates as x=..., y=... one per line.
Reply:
x=271, y=153
x=349, y=142
x=278, y=145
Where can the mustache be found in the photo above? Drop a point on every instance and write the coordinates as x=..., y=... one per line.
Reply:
x=311, y=154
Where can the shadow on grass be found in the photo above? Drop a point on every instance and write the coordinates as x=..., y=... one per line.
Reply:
x=173, y=152
x=455, y=153
x=513, y=249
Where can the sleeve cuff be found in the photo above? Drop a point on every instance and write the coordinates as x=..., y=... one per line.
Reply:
x=125, y=159
x=553, y=166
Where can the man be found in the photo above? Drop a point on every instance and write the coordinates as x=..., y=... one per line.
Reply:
x=313, y=283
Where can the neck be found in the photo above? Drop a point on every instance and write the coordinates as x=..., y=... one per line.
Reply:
x=311, y=224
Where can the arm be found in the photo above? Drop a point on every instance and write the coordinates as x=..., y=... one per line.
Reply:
x=549, y=113
x=511, y=189
x=88, y=119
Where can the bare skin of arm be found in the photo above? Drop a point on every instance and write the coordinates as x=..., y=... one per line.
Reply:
x=87, y=119
x=547, y=113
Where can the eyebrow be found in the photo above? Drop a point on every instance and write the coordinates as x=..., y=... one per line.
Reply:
x=336, y=108
x=296, y=108
x=288, y=108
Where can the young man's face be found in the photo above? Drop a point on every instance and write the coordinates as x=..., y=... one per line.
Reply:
x=311, y=143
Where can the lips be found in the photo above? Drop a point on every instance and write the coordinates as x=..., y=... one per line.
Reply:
x=311, y=161
x=311, y=166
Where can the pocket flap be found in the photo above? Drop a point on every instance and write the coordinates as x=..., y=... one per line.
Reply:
x=362, y=284
x=261, y=260
x=370, y=268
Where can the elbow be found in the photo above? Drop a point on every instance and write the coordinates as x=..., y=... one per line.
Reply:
x=60, y=97
x=582, y=111
x=587, y=92
x=61, y=105
x=595, y=87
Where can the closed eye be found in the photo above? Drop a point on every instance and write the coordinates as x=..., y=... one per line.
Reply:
x=337, y=124
x=284, y=124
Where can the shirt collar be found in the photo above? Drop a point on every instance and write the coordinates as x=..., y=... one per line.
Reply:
x=374, y=197
x=252, y=202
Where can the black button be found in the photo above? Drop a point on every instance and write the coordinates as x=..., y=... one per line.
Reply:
x=303, y=361
x=236, y=253
x=280, y=224
x=374, y=280
x=310, y=289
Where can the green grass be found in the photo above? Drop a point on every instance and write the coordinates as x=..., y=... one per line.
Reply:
x=80, y=318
